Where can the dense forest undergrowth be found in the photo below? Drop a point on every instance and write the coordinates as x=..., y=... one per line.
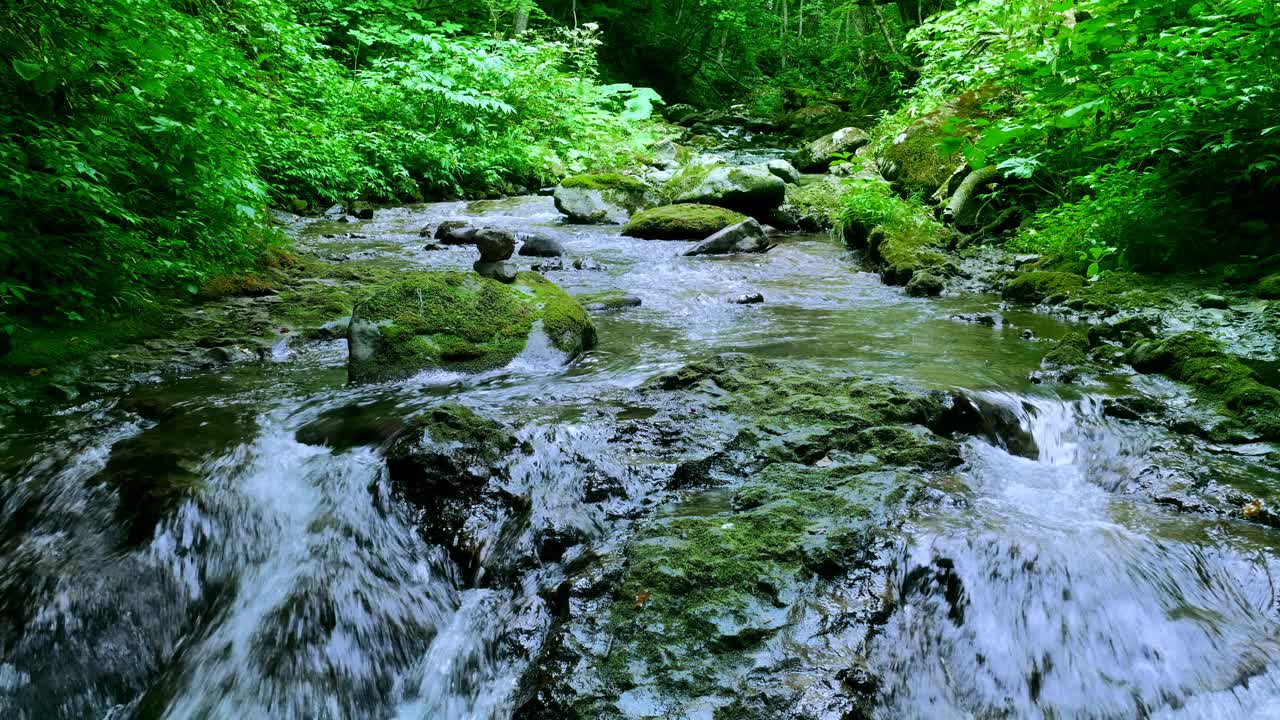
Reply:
x=146, y=141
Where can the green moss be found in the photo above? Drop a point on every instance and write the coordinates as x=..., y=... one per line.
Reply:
x=607, y=299
x=900, y=236
x=1072, y=350
x=312, y=305
x=684, y=181
x=1034, y=287
x=462, y=321
x=451, y=423
x=686, y=221
x=817, y=203
x=1269, y=287
x=702, y=593
x=563, y=318
x=604, y=181
x=1200, y=361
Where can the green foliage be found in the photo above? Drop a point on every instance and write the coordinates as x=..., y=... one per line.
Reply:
x=1123, y=114
x=144, y=139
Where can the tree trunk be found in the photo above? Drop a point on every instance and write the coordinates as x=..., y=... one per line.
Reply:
x=522, y=17
x=955, y=211
x=783, y=34
x=800, y=33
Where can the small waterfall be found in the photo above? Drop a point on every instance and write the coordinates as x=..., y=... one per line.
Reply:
x=1052, y=597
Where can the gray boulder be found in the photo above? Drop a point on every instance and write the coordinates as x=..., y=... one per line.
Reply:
x=784, y=170
x=539, y=245
x=753, y=190
x=503, y=271
x=607, y=198
x=822, y=152
x=754, y=298
x=455, y=232
x=495, y=245
x=747, y=236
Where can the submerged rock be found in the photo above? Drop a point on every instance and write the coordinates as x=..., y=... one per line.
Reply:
x=745, y=237
x=754, y=298
x=608, y=300
x=458, y=321
x=599, y=199
x=686, y=221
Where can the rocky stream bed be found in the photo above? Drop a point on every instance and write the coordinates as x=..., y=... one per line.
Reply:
x=753, y=485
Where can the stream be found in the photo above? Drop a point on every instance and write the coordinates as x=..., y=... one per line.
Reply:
x=294, y=585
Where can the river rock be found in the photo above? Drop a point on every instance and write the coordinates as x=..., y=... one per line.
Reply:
x=753, y=189
x=443, y=465
x=784, y=170
x=754, y=298
x=540, y=245
x=458, y=321
x=335, y=211
x=495, y=245
x=745, y=237
x=607, y=198
x=681, y=222
x=361, y=210
x=822, y=152
x=608, y=300
x=455, y=232
x=548, y=264
x=925, y=284
x=587, y=263
x=503, y=271
x=1212, y=301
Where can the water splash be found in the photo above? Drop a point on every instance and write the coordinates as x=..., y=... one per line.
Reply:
x=1052, y=597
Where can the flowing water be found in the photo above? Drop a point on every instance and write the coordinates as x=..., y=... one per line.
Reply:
x=293, y=583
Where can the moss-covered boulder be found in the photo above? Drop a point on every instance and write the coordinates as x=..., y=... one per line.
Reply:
x=684, y=221
x=605, y=198
x=919, y=158
x=442, y=464
x=1038, y=286
x=1201, y=361
x=1269, y=287
x=752, y=189
x=458, y=321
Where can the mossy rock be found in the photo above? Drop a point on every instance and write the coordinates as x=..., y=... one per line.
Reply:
x=1269, y=287
x=1034, y=287
x=458, y=321
x=753, y=189
x=916, y=153
x=685, y=221
x=605, y=198
x=604, y=181
x=1201, y=361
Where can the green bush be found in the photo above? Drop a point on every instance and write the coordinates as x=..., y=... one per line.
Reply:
x=143, y=140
